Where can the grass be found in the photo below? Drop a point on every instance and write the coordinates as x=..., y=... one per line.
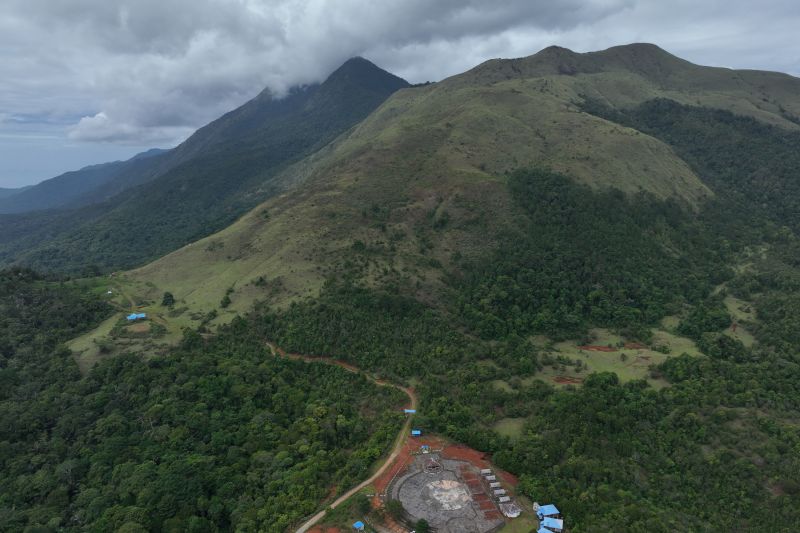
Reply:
x=628, y=363
x=510, y=427
x=525, y=523
x=744, y=313
x=503, y=385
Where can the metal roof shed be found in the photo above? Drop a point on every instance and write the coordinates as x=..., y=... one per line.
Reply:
x=553, y=523
x=548, y=510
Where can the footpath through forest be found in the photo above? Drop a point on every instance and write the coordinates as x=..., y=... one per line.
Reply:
x=398, y=445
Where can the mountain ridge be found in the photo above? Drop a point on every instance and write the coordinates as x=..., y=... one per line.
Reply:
x=225, y=168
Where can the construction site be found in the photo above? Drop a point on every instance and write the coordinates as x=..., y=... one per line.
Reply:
x=450, y=487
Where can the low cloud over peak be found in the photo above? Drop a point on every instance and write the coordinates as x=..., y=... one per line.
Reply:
x=151, y=71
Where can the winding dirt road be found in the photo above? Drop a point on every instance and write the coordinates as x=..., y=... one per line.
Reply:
x=401, y=437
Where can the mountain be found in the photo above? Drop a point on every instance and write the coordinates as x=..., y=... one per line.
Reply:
x=204, y=184
x=446, y=149
x=77, y=188
x=5, y=193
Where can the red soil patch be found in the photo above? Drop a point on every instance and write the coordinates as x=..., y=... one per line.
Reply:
x=509, y=478
x=139, y=327
x=481, y=498
x=486, y=506
x=492, y=515
x=478, y=459
x=403, y=458
x=564, y=380
x=318, y=529
x=634, y=346
x=596, y=348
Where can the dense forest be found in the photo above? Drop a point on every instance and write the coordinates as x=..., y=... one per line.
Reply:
x=216, y=436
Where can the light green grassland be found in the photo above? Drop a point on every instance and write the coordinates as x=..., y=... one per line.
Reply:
x=628, y=363
x=509, y=427
x=525, y=523
x=743, y=312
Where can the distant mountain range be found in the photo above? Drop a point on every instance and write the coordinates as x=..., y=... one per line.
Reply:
x=5, y=193
x=77, y=188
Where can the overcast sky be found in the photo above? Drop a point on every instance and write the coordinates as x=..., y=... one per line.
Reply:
x=87, y=81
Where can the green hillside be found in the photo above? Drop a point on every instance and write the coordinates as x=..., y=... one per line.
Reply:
x=446, y=148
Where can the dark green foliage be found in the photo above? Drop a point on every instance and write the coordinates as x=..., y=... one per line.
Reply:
x=578, y=257
x=753, y=167
x=707, y=316
x=369, y=328
x=395, y=508
x=168, y=300
x=217, y=436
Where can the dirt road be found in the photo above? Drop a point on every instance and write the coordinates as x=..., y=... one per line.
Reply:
x=404, y=431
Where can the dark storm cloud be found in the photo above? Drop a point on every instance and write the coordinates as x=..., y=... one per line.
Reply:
x=148, y=72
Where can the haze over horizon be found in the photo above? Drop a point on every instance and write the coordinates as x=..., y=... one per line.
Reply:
x=89, y=82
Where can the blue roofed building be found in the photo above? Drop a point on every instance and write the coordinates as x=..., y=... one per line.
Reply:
x=553, y=524
x=547, y=510
x=416, y=432
x=136, y=316
x=358, y=526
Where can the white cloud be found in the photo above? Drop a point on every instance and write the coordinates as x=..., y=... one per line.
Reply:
x=101, y=128
x=150, y=71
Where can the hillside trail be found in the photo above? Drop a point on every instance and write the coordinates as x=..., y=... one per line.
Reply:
x=399, y=441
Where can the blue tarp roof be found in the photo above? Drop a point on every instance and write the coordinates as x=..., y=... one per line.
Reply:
x=543, y=530
x=547, y=510
x=553, y=523
x=409, y=410
x=416, y=432
x=359, y=525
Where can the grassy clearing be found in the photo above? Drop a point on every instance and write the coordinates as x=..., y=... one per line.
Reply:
x=503, y=385
x=129, y=295
x=510, y=427
x=744, y=313
x=525, y=523
x=628, y=363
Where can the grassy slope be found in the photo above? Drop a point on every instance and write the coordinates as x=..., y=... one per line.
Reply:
x=445, y=148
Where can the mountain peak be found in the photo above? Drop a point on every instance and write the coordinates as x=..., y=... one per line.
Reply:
x=365, y=73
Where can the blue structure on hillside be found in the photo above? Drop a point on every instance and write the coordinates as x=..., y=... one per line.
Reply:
x=136, y=316
x=553, y=524
x=409, y=411
x=547, y=510
x=416, y=432
x=359, y=526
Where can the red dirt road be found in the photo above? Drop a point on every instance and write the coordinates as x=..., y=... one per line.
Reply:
x=596, y=348
x=401, y=437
